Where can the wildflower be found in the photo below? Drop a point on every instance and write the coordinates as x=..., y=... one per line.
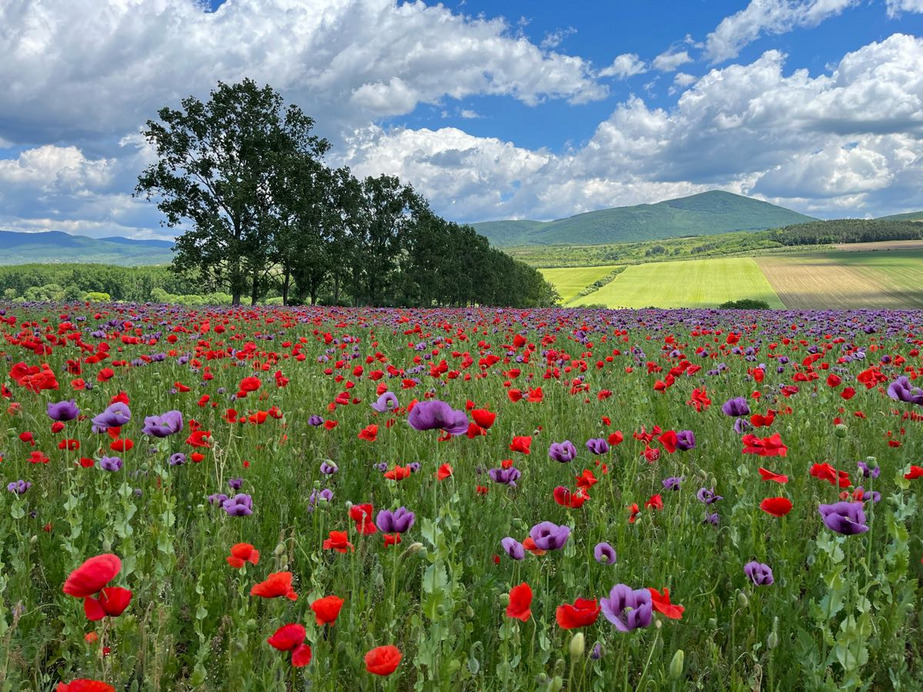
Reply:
x=901, y=390
x=386, y=402
x=661, y=603
x=398, y=521
x=736, y=407
x=582, y=613
x=84, y=685
x=626, y=608
x=19, y=487
x=770, y=476
x=327, y=609
x=505, y=476
x=483, y=418
x=521, y=443
x=513, y=548
x=337, y=541
x=438, y=415
x=847, y=518
x=164, y=425
x=382, y=660
x=63, y=411
x=444, y=472
x=291, y=638
x=276, y=584
x=241, y=505
x=242, y=553
x=362, y=515
x=520, y=602
x=776, y=506
x=115, y=416
x=562, y=451
x=548, y=536
x=915, y=472
x=708, y=496
x=868, y=471
x=672, y=483
x=765, y=447
x=110, y=463
x=758, y=573
x=604, y=553
x=597, y=446
x=685, y=440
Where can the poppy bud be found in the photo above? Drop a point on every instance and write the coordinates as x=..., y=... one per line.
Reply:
x=742, y=599
x=556, y=684
x=676, y=665
x=280, y=549
x=577, y=645
x=840, y=431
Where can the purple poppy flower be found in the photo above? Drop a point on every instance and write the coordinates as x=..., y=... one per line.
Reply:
x=18, y=487
x=236, y=483
x=736, y=407
x=597, y=445
x=438, y=415
x=685, y=440
x=315, y=420
x=513, y=548
x=63, y=411
x=597, y=652
x=328, y=468
x=562, y=451
x=869, y=471
x=217, y=498
x=164, y=425
x=604, y=553
x=712, y=519
x=708, y=496
x=241, y=505
x=397, y=521
x=414, y=466
x=847, y=518
x=758, y=573
x=110, y=463
x=115, y=416
x=386, y=402
x=868, y=495
x=177, y=459
x=626, y=608
x=741, y=425
x=901, y=390
x=548, y=536
x=506, y=476
x=673, y=482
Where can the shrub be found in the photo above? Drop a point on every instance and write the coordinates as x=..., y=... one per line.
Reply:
x=745, y=304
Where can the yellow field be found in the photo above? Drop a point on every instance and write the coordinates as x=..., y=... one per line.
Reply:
x=571, y=280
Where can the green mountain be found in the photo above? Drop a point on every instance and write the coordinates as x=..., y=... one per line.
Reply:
x=909, y=216
x=707, y=213
x=55, y=247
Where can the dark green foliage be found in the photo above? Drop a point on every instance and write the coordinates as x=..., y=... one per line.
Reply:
x=744, y=304
x=848, y=231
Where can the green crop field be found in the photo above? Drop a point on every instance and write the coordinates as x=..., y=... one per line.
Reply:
x=701, y=283
x=569, y=281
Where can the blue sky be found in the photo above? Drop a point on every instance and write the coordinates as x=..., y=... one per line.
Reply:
x=519, y=109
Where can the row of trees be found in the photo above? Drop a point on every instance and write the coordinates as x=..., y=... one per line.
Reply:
x=244, y=177
x=848, y=231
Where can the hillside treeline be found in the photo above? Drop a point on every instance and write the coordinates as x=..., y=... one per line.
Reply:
x=847, y=231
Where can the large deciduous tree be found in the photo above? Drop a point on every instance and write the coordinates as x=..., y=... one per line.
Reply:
x=219, y=173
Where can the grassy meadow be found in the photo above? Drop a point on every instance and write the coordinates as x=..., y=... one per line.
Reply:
x=369, y=499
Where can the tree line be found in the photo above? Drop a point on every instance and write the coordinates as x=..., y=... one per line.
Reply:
x=847, y=231
x=244, y=179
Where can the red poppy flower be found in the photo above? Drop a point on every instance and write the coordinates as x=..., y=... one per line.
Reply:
x=634, y=512
x=483, y=417
x=112, y=601
x=566, y=498
x=383, y=660
x=669, y=440
x=242, y=553
x=586, y=480
x=776, y=506
x=338, y=542
x=250, y=384
x=362, y=515
x=92, y=575
x=654, y=502
x=770, y=476
x=915, y=472
x=615, y=438
x=582, y=613
x=199, y=438
x=766, y=447
x=392, y=539
x=276, y=585
x=661, y=603
x=529, y=545
x=370, y=433
x=287, y=637
x=327, y=609
x=84, y=685
x=398, y=473
x=444, y=472
x=520, y=602
x=521, y=444
x=826, y=472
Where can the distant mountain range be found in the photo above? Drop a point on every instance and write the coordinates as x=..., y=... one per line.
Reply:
x=57, y=247
x=707, y=213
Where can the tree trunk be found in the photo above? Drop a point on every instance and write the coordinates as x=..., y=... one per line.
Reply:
x=255, y=290
x=285, y=285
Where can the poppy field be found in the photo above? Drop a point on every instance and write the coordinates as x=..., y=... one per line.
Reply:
x=470, y=499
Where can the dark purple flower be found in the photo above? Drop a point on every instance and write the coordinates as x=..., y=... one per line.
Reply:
x=562, y=451
x=513, y=548
x=673, y=482
x=901, y=390
x=847, y=518
x=315, y=420
x=604, y=553
x=685, y=440
x=241, y=505
x=63, y=411
x=115, y=416
x=328, y=468
x=741, y=425
x=506, y=476
x=626, y=608
x=597, y=652
x=712, y=519
x=708, y=496
x=382, y=466
x=397, y=521
x=414, y=466
x=217, y=498
x=758, y=573
x=236, y=483
x=110, y=463
x=869, y=471
x=597, y=445
x=164, y=425
x=868, y=495
x=438, y=415
x=177, y=459
x=736, y=407
x=18, y=487
x=548, y=536
x=386, y=402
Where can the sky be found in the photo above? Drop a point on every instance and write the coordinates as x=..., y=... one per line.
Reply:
x=491, y=110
